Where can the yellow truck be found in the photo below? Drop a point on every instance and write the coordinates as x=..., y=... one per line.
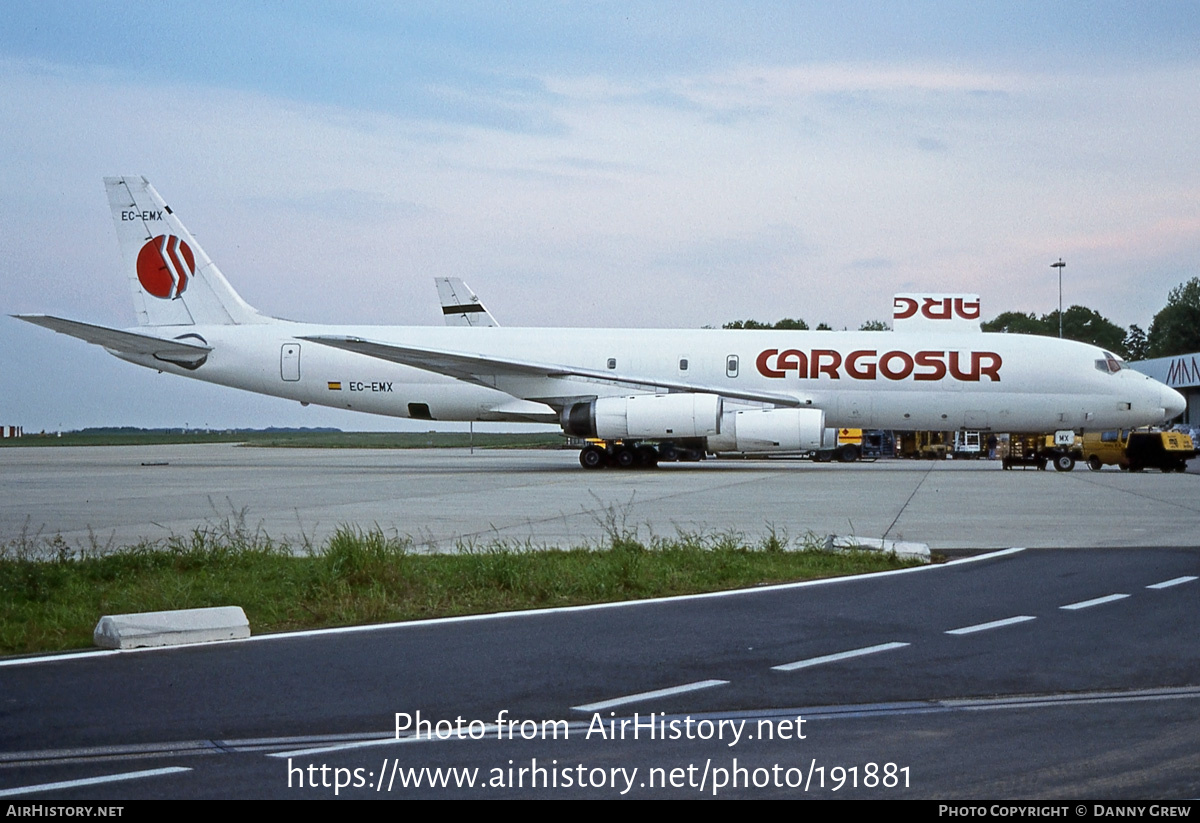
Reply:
x=1137, y=449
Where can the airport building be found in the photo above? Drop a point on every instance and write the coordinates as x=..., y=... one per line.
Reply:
x=11, y=431
x=1182, y=373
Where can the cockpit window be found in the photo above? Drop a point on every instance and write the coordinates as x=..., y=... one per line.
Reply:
x=1109, y=363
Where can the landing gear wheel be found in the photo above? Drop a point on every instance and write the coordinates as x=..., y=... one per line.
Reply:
x=623, y=457
x=667, y=453
x=647, y=456
x=1094, y=463
x=592, y=457
x=1064, y=463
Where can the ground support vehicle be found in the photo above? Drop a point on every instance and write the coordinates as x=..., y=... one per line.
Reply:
x=924, y=445
x=1040, y=450
x=845, y=445
x=1139, y=449
x=878, y=443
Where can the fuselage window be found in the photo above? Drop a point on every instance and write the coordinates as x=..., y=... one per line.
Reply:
x=683, y=364
x=731, y=366
x=612, y=362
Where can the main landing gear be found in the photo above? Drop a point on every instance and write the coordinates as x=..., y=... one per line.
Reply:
x=635, y=455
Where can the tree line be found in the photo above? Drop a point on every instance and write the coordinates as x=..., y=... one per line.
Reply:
x=1174, y=330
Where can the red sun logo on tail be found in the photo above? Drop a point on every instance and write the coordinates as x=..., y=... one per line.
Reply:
x=164, y=265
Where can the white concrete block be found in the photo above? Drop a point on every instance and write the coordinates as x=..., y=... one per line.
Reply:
x=173, y=628
x=874, y=544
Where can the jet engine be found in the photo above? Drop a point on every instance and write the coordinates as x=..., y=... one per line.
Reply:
x=769, y=430
x=652, y=416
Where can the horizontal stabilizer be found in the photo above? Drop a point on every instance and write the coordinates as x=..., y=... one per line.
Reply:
x=475, y=368
x=460, y=305
x=125, y=342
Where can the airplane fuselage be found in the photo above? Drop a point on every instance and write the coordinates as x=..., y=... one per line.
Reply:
x=860, y=379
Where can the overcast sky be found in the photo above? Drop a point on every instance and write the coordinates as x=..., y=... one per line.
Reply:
x=585, y=164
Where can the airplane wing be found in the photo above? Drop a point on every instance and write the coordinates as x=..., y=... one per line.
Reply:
x=474, y=368
x=173, y=351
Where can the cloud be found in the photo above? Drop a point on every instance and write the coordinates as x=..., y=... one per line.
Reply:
x=671, y=197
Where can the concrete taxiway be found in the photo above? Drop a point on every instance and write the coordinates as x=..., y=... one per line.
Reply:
x=110, y=496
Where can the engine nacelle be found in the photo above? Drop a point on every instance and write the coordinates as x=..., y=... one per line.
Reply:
x=770, y=430
x=653, y=416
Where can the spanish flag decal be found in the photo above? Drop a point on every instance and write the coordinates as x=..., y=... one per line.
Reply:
x=335, y=385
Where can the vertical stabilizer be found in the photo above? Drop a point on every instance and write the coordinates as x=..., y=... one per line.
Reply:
x=460, y=306
x=174, y=282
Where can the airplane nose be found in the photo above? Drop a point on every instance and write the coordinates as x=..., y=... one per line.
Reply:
x=1174, y=403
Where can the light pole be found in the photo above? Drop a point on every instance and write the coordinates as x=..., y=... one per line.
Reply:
x=1059, y=265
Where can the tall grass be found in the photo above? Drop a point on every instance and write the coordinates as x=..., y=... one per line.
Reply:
x=52, y=594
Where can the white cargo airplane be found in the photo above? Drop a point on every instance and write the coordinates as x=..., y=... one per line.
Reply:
x=647, y=394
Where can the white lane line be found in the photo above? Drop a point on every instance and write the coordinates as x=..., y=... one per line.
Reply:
x=633, y=698
x=989, y=556
x=62, y=658
x=1175, y=581
x=994, y=624
x=830, y=658
x=1084, y=604
x=91, y=781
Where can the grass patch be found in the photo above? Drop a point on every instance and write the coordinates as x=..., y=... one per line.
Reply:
x=51, y=595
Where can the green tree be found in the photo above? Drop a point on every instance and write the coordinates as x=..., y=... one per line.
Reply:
x=786, y=323
x=1079, y=323
x=1137, y=346
x=1089, y=326
x=1013, y=322
x=1176, y=329
x=875, y=325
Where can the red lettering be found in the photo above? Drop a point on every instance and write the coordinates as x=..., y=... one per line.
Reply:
x=830, y=368
x=903, y=308
x=886, y=370
x=763, y=368
x=863, y=364
x=932, y=360
x=992, y=370
x=967, y=310
x=929, y=311
x=868, y=370
x=956, y=370
x=794, y=360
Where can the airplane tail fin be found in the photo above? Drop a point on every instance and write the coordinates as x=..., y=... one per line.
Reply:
x=460, y=306
x=174, y=282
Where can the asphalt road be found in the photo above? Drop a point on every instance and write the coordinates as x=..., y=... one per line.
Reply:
x=1035, y=674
